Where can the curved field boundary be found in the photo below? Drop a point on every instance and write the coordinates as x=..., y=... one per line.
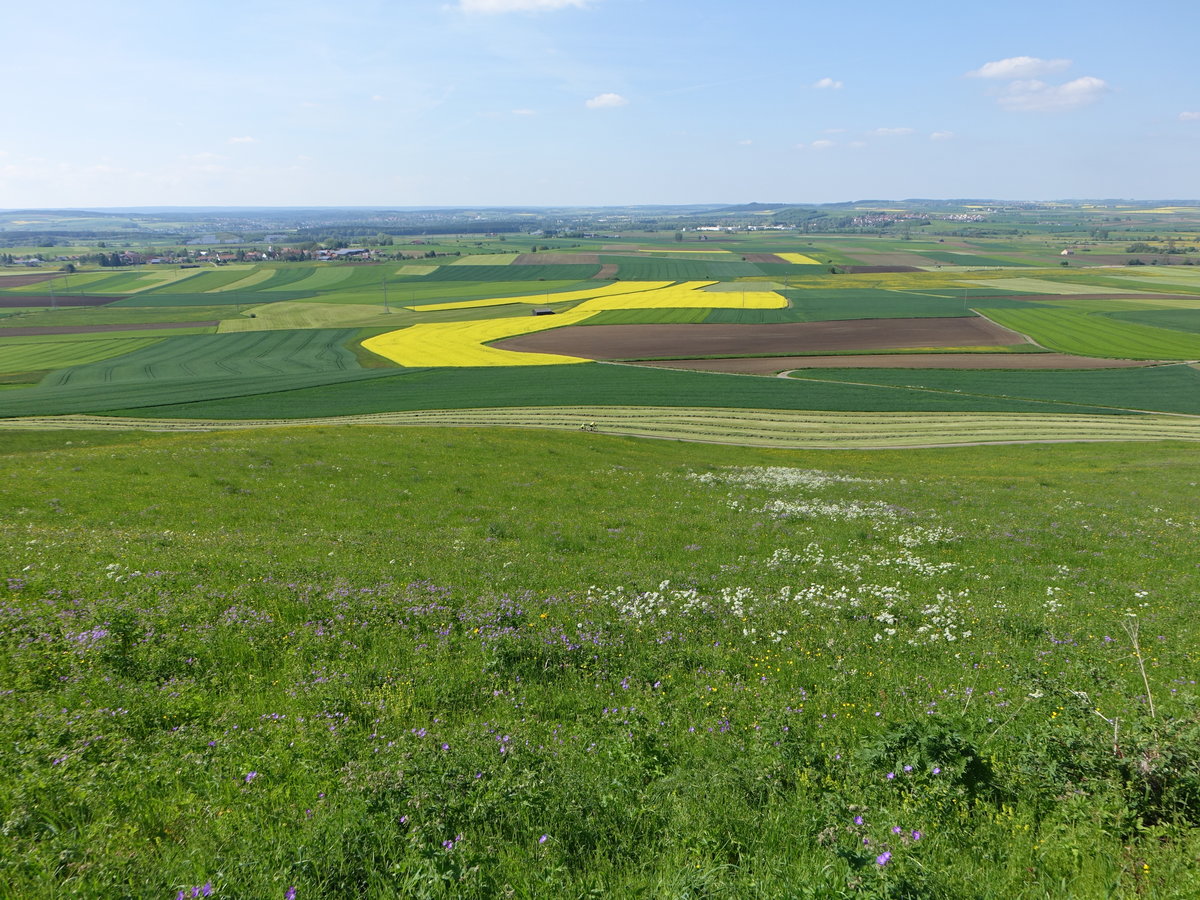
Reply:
x=794, y=429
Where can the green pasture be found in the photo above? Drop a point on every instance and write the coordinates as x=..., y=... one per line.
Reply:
x=220, y=356
x=647, y=317
x=248, y=280
x=591, y=384
x=28, y=355
x=1175, y=319
x=503, y=273
x=632, y=268
x=308, y=314
x=1093, y=335
x=1168, y=389
x=200, y=280
x=114, y=315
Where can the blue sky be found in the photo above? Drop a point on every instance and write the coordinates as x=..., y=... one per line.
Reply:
x=594, y=102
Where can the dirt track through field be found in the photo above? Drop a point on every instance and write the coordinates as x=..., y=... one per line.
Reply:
x=784, y=339
x=771, y=365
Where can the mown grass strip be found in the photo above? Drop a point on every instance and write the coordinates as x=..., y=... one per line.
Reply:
x=749, y=427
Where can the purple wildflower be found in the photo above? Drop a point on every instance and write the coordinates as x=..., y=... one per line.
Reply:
x=291, y=893
x=250, y=776
x=891, y=775
x=937, y=770
x=916, y=835
x=858, y=820
x=543, y=838
x=896, y=829
x=883, y=858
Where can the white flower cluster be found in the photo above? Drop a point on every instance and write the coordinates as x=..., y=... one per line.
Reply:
x=944, y=620
x=848, y=511
x=738, y=602
x=777, y=477
x=918, y=535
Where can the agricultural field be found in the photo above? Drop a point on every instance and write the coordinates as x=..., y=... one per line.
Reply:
x=422, y=320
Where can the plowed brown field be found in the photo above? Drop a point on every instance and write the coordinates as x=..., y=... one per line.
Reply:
x=672, y=341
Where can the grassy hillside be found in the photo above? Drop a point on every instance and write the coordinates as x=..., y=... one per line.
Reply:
x=380, y=662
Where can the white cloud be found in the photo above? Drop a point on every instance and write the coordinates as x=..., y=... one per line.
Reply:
x=822, y=145
x=1019, y=67
x=523, y=112
x=827, y=84
x=941, y=135
x=745, y=143
x=243, y=140
x=1037, y=96
x=857, y=145
x=1189, y=117
x=892, y=132
x=504, y=6
x=834, y=131
x=606, y=101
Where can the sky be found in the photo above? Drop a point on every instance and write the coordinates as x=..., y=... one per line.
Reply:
x=594, y=102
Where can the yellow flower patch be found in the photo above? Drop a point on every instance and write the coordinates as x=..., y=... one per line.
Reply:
x=799, y=259
x=462, y=343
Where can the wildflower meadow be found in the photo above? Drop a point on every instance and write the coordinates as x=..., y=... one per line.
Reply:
x=397, y=662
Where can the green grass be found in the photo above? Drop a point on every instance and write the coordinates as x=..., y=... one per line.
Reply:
x=17, y=355
x=509, y=273
x=1092, y=335
x=222, y=355
x=648, y=317
x=1175, y=319
x=116, y=315
x=150, y=299
x=1173, y=389
x=312, y=657
x=592, y=384
x=202, y=280
x=638, y=269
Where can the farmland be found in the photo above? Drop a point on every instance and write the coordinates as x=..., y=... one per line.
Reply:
x=770, y=563
x=436, y=314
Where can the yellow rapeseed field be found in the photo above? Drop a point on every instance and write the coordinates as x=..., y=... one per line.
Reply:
x=799, y=259
x=462, y=343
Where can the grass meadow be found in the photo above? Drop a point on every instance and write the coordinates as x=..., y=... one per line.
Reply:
x=372, y=662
